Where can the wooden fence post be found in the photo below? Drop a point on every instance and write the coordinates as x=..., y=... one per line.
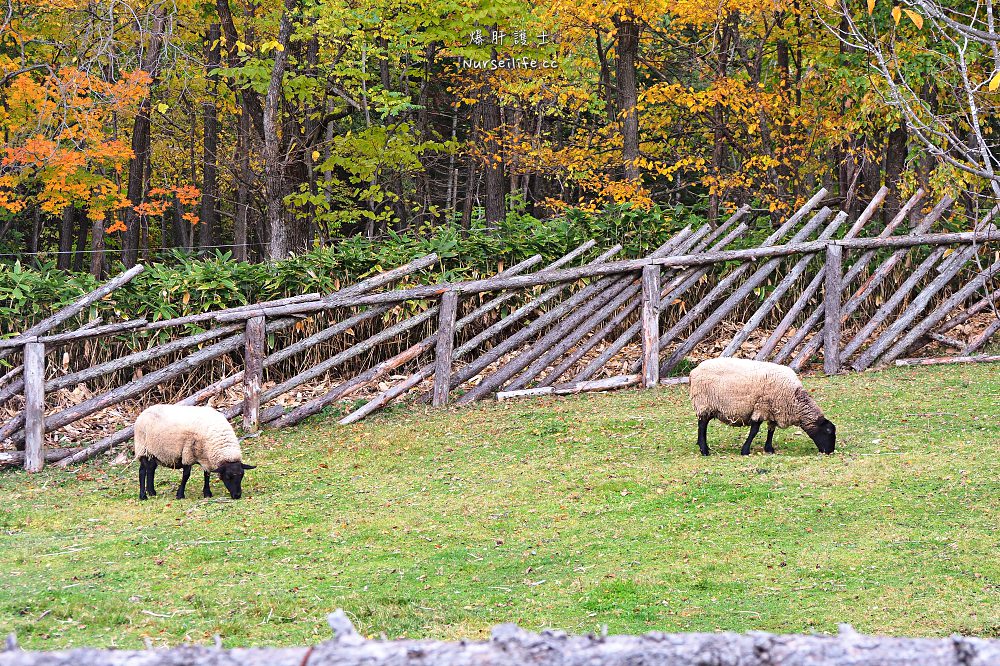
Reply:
x=34, y=406
x=650, y=326
x=444, y=347
x=253, y=373
x=831, y=308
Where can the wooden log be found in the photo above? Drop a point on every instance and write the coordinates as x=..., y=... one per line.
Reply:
x=137, y=386
x=319, y=403
x=737, y=297
x=34, y=406
x=325, y=366
x=589, y=315
x=980, y=340
x=913, y=310
x=607, y=384
x=14, y=372
x=509, y=645
x=102, y=445
x=947, y=360
x=723, y=286
x=518, y=339
x=16, y=458
x=650, y=326
x=939, y=313
x=279, y=419
x=98, y=331
x=373, y=374
x=945, y=340
x=384, y=398
x=78, y=306
x=677, y=288
x=155, y=352
x=387, y=396
x=895, y=299
x=855, y=300
x=555, y=342
x=987, y=301
x=253, y=372
x=445, y=346
x=209, y=316
x=341, y=298
x=779, y=291
x=803, y=299
x=832, y=325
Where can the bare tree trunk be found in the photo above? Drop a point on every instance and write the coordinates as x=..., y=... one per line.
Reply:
x=895, y=162
x=243, y=176
x=83, y=226
x=627, y=91
x=140, y=147
x=719, y=140
x=65, y=255
x=97, y=247
x=273, y=164
x=495, y=181
x=207, y=232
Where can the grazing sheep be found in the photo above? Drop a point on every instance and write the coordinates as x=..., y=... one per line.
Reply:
x=747, y=393
x=181, y=436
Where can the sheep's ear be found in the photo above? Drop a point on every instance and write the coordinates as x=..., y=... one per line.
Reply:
x=245, y=466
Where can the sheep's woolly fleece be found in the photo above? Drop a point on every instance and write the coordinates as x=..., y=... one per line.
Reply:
x=178, y=435
x=738, y=391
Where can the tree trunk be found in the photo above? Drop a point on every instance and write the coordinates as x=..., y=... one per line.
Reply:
x=895, y=162
x=274, y=190
x=495, y=182
x=83, y=225
x=243, y=176
x=627, y=92
x=719, y=140
x=207, y=233
x=65, y=255
x=140, y=147
x=97, y=247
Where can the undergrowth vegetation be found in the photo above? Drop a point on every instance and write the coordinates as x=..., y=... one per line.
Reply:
x=189, y=284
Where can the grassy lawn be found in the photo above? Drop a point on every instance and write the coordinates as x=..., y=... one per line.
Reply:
x=569, y=513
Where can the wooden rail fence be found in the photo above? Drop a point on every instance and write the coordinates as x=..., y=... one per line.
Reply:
x=647, y=315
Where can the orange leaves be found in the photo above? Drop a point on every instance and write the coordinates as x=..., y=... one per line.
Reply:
x=160, y=198
x=117, y=226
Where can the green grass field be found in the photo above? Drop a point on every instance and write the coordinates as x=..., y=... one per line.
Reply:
x=568, y=513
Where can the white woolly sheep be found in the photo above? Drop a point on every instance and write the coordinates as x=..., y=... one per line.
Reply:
x=183, y=435
x=741, y=392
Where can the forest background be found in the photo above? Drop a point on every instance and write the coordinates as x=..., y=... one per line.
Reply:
x=248, y=150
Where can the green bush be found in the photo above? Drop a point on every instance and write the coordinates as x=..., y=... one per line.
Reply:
x=182, y=283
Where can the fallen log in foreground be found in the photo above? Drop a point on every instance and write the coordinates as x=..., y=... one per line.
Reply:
x=512, y=646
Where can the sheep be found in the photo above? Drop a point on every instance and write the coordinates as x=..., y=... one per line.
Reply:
x=741, y=392
x=182, y=435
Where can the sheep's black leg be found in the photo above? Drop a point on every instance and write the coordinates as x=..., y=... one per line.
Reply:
x=768, y=446
x=206, y=491
x=151, y=477
x=142, y=478
x=754, y=428
x=703, y=434
x=184, y=479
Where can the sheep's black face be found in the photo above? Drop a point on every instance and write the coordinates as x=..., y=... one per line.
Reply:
x=232, y=477
x=825, y=436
